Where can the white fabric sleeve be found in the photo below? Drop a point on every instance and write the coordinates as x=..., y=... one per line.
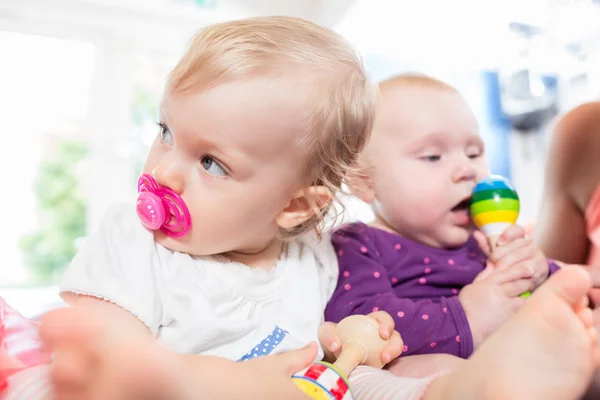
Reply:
x=119, y=263
x=327, y=263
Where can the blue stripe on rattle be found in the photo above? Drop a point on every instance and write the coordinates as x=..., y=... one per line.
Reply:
x=494, y=182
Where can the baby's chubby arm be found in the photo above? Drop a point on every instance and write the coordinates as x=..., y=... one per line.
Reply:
x=108, y=315
x=101, y=349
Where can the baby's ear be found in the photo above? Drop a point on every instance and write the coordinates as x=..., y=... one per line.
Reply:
x=303, y=205
x=361, y=184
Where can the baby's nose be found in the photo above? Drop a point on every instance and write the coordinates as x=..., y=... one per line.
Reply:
x=464, y=172
x=169, y=174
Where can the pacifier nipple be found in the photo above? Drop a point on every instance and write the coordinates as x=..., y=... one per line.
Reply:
x=159, y=207
x=150, y=210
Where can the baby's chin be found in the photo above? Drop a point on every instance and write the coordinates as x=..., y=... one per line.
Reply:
x=458, y=237
x=181, y=245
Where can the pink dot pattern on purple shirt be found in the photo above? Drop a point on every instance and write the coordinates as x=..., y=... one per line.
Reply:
x=394, y=280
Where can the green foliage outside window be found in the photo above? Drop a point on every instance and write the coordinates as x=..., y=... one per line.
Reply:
x=62, y=213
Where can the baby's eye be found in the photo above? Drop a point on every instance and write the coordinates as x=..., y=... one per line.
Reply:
x=212, y=166
x=431, y=158
x=165, y=134
x=474, y=153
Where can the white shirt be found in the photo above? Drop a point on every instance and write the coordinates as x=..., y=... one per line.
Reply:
x=206, y=305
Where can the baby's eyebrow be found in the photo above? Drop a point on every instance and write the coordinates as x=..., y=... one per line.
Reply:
x=430, y=139
x=475, y=139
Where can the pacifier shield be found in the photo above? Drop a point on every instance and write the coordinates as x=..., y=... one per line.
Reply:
x=159, y=207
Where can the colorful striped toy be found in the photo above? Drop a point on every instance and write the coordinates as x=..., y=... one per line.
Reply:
x=323, y=381
x=494, y=206
x=361, y=344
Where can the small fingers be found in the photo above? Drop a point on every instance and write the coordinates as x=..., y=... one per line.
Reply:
x=520, y=271
x=486, y=273
x=328, y=337
x=296, y=360
x=513, y=253
x=386, y=323
x=517, y=288
x=511, y=233
x=482, y=242
x=393, y=349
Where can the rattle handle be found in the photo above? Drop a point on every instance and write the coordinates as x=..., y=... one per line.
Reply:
x=493, y=241
x=352, y=355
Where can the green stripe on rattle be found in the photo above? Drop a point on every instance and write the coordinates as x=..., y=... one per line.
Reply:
x=505, y=204
x=492, y=194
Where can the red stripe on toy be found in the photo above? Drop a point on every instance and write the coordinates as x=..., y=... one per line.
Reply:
x=340, y=389
x=315, y=371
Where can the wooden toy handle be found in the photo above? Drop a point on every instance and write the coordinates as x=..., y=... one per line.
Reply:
x=353, y=354
x=361, y=343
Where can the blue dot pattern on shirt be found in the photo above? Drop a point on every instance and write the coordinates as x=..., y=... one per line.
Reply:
x=267, y=345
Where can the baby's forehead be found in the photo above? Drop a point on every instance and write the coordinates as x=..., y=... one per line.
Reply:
x=253, y=117
x=404, y=113
x=414, y=102
x=413, y=95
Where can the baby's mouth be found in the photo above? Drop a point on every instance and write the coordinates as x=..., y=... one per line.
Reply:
x=463, y=205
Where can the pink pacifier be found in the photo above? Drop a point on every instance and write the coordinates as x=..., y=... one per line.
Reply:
x=159, y=207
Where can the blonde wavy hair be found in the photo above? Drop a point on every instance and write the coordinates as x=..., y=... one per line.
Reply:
x=342, y=99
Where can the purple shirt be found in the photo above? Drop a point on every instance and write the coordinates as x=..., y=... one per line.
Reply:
x=416, y=284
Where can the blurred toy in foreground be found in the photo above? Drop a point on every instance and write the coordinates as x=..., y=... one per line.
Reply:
x=361, y=344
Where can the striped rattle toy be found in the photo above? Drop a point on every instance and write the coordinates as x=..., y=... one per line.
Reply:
x=495, y=206
x=361, y=344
